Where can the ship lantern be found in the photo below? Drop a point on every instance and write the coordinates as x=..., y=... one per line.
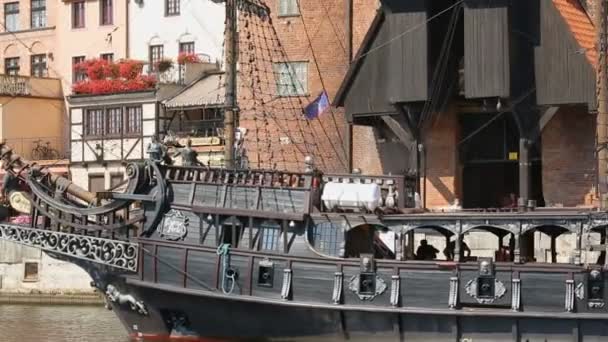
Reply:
x=595, y=287
x=486, y=281
x=367, y=277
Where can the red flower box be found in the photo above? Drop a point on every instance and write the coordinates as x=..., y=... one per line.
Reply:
x=185, y=57
x=108, y=78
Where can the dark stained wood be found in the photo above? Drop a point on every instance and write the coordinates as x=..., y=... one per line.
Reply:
x=486, y=49
x=392, y=72
x=564, y=75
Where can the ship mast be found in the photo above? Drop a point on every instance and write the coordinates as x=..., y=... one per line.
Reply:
x=602, y=112
x=230, y=62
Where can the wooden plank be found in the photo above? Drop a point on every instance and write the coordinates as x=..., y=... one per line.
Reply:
x=547, y=116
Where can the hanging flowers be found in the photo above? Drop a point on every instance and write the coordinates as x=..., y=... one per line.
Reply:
x=163, y=65
x=186, y=57
x=107, y=78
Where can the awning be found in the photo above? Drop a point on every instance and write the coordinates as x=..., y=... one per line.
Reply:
x=208, y=91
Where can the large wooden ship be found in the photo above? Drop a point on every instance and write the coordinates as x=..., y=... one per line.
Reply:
x=216, y=253
x=246, y=254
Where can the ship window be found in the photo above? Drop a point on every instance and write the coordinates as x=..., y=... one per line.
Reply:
x=327, y=238
x=270, y=236
x=232, y=231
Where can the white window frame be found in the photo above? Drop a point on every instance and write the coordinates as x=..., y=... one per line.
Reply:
x=291, y=78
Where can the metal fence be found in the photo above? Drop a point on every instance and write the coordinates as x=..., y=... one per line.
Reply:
x=14, y=85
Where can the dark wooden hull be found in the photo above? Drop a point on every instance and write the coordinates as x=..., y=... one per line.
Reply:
x=175, y=312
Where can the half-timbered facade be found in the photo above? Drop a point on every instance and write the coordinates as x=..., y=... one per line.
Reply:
x=107, y=131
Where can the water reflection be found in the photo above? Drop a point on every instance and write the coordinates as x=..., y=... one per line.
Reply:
x=25, y=323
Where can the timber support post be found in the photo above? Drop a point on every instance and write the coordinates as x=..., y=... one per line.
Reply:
x=231, y=71
x=602, y=112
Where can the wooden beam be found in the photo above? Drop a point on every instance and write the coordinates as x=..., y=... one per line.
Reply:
x=398, y=127
x=546, y=117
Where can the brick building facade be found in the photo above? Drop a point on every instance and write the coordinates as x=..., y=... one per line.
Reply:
x=567, y=142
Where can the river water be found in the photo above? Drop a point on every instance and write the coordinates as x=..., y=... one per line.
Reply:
x=30, y=323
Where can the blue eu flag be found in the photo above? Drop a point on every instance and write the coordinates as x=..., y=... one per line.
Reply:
x=317, y=107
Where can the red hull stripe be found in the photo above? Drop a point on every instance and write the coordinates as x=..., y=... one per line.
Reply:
x=169, y=338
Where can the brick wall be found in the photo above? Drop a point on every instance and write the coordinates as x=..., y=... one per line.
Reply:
x=568, y=142
x=282, y=133
x=443, y=168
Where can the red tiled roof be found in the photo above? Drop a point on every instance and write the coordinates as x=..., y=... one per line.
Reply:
x=580, y=25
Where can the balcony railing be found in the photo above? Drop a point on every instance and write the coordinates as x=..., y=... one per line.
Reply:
x=15, y=85
x=42, y=148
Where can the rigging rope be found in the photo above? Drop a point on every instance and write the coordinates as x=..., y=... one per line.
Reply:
x=228, y=273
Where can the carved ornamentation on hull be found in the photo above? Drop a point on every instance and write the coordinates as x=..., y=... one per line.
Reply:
x=113, y=253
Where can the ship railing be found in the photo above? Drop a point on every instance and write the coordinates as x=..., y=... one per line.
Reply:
x=244, y=178
x=403, y=187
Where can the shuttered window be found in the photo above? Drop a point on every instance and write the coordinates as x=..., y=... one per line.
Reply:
x=114, y=121
x=94, y=122
x=97, y=183
x=291, y=78
x=133, y=120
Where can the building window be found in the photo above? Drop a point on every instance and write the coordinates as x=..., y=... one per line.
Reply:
x=114, y=123
x=11, y=66
x=107, y=12
x=39, y=66
x=78, y=75
x=291, y=78
x=11, y=16
x=156, y=55
x=116, y=179
x=187, y=47
x=108, y=57
x=288, y=8
x=94, y=123
x=171, y=7
x=78, y=15
x=97, y=183
x=30, y=272
x=38, y=13
x=133, y=120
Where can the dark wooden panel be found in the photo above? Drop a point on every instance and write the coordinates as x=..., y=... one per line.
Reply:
x=313, y=283
x=553, y=330
x=208, y=195
x=428, y=289
x=201, y=266
x=492, y=329
x=170, y=261
x=241, y=198
x=543, y=292
x=181, y=193
x=486, y=49
x=563, y=72
x=283, y=201
x=395, y=71
x=426, y=328
x=148, y=263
